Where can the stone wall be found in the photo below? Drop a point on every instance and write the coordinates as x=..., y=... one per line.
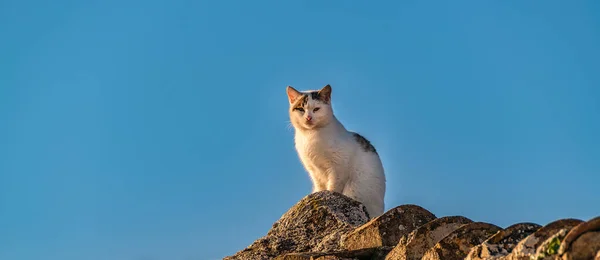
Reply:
x=330, y=226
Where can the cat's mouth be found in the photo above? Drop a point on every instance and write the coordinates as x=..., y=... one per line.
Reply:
x=310, y=124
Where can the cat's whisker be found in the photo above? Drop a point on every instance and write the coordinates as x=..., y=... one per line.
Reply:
x=289, y=125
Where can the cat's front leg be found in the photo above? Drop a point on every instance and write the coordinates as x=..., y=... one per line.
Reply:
x=336, y=180
x=319, y=180
x=318, y=187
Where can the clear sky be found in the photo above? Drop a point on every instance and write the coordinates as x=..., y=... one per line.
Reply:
x=157, y=130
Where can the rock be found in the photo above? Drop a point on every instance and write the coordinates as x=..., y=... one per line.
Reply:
x=548, y=249
x=332, y=257
x=330, y=226
x=314, y=224
x=585, y=247
x=414, y=245
x=528, y=246
x=361, y=254
x=296, y=256
x=574, y=233
x=458, y=243
x=309, y=256
x=502, y=243
x=582, y=241
x=387, y=229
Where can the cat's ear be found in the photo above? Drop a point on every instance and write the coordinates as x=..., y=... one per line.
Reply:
x=325, y=93
x=292, y=94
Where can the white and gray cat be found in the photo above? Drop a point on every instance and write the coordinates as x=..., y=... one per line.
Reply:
x=335, y=158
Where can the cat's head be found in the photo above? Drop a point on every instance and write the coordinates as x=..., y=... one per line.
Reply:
x=310, y=109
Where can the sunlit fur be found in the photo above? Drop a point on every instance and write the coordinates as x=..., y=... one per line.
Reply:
x=333, y=157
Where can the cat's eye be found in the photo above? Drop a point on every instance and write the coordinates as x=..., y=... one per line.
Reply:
x=316, y=109
x=300, y=109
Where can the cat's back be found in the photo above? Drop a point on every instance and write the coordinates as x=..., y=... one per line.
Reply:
x=363, y=145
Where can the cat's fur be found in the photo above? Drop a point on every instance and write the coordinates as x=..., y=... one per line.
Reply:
x=335, y=158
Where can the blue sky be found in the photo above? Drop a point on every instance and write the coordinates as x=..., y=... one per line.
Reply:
x=155, y=130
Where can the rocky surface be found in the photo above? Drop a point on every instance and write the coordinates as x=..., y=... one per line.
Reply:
x=582, y=241
x=585, y=246
x=527, y=247
x=414, y=246
x=387, y=229
x=314, y=224
x=457, y=244
x=330, y=226
x=591, y=225
x=549, y=248
x=377, y=253
x=502, y=243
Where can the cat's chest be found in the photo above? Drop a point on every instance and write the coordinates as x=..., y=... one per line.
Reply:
x=316, y=148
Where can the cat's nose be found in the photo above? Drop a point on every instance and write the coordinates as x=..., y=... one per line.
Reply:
x=308, y=118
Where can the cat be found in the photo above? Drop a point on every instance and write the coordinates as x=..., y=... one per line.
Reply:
x=336, y=159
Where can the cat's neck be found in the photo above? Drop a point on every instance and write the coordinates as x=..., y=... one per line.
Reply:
x=333, y=128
